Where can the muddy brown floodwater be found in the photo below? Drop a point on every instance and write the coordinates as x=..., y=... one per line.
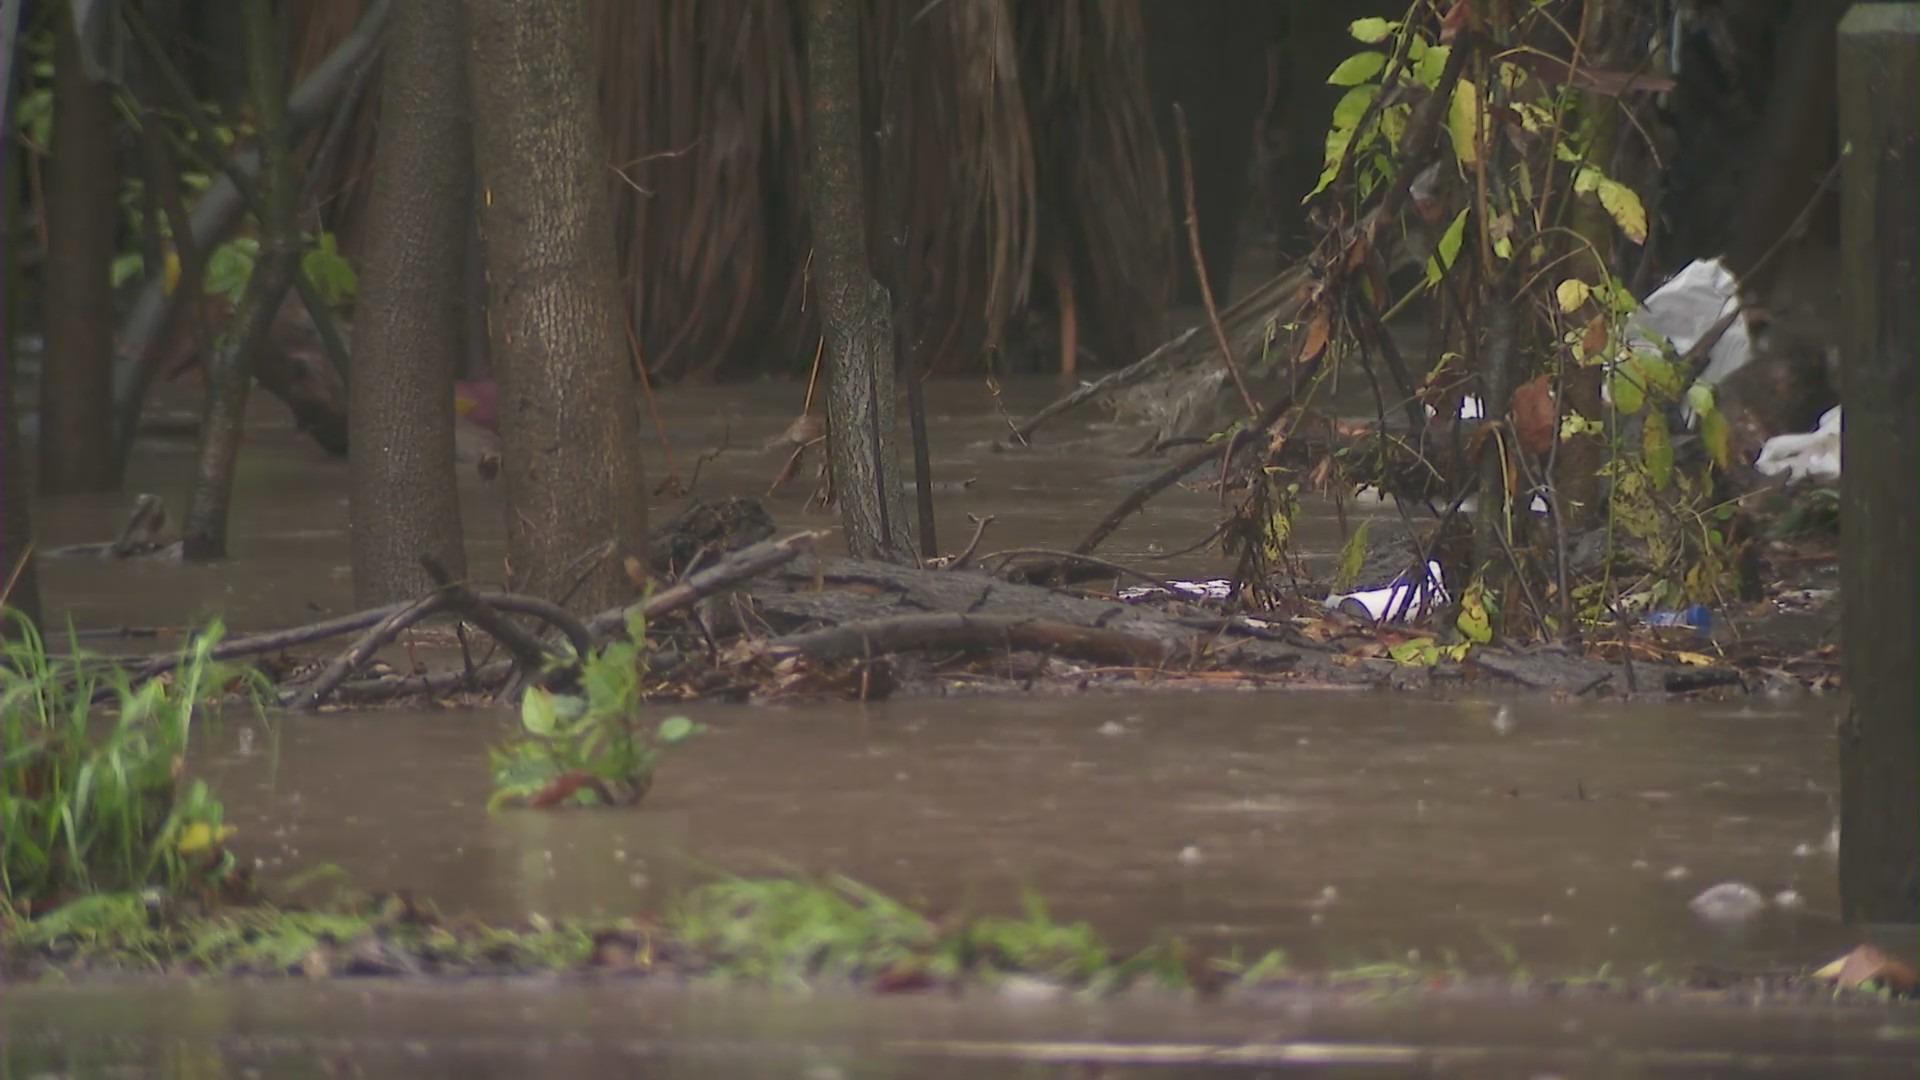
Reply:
x=1345, y=828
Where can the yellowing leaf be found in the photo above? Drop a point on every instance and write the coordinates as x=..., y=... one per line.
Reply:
x=200, y=836
x=1718, y=437
x=1447, y=249
x=1463, y=122
x=1420, y=652
x=1352, y=555
x=1473, y=622
x=1371, y=31
x=1694, y=659
x=1587, y=179
x=1658, y=450
x=1357, y=69
x=1621, y=202
x=1571, y=294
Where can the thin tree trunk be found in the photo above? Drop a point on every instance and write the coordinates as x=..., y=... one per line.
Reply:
x=204, y=535
x=412, y=319
x=76, y=381
x=570, y=445
x=16, y=497
x=854, y=309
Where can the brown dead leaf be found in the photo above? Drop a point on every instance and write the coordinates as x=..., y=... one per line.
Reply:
x=560, y=789
x=1357, y=252
x=1557, y=72
x=1532, y=411
x=1319, y=326
x=1593, y=341
x=805, y=429
x=1459, y=17
x=1868, y=964
x=902, y=979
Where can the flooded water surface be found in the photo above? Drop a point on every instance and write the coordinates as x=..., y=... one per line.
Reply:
x=1500, y=837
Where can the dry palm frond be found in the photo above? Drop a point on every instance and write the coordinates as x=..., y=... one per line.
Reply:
x=1023, y=128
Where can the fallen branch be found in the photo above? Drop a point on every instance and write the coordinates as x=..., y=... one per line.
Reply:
x=363, y=649
x=1191, y=460
x=375, y=691
x=749, y=562
x=1061, y=559
x=947, y=632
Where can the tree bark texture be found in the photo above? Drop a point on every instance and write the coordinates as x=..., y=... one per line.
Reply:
x=570, y=449
x=76, y=381
x=204, y=535
x=412, y=312
x=1879, y=54
x=863, y=449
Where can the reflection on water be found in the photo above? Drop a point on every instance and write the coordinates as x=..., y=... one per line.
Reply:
x=282, y=1031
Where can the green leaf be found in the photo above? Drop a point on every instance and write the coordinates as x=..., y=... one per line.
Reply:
x=1625, y=388
x=1447, y=249
x=674, y=730
x=1657, y=373
x=1428, y=67
x=1658, y=450
x=537, y=712
x=230, y=266
x=1352, y=555
x=1587, y=179
x=1353, y=105
x=127, y=266
x=1624, y=206
x=1357, y=69
x=1371, y=31
x=1463, y=120
x=1420, y=652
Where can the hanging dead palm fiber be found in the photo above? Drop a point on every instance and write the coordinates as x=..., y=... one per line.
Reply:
x=1025, y=132
x=341, y=191
x=1101, y=175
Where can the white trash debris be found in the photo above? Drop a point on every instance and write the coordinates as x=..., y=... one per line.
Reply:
x=1213, y=589
x=1402, y=598
x=1685, y=308
x=1814, y=455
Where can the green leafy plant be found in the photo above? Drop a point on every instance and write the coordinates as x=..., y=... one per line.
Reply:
x=589, y=748
x=1522, y=212
x=93, y=798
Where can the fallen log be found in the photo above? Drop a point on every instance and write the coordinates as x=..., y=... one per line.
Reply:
x=973, y=633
